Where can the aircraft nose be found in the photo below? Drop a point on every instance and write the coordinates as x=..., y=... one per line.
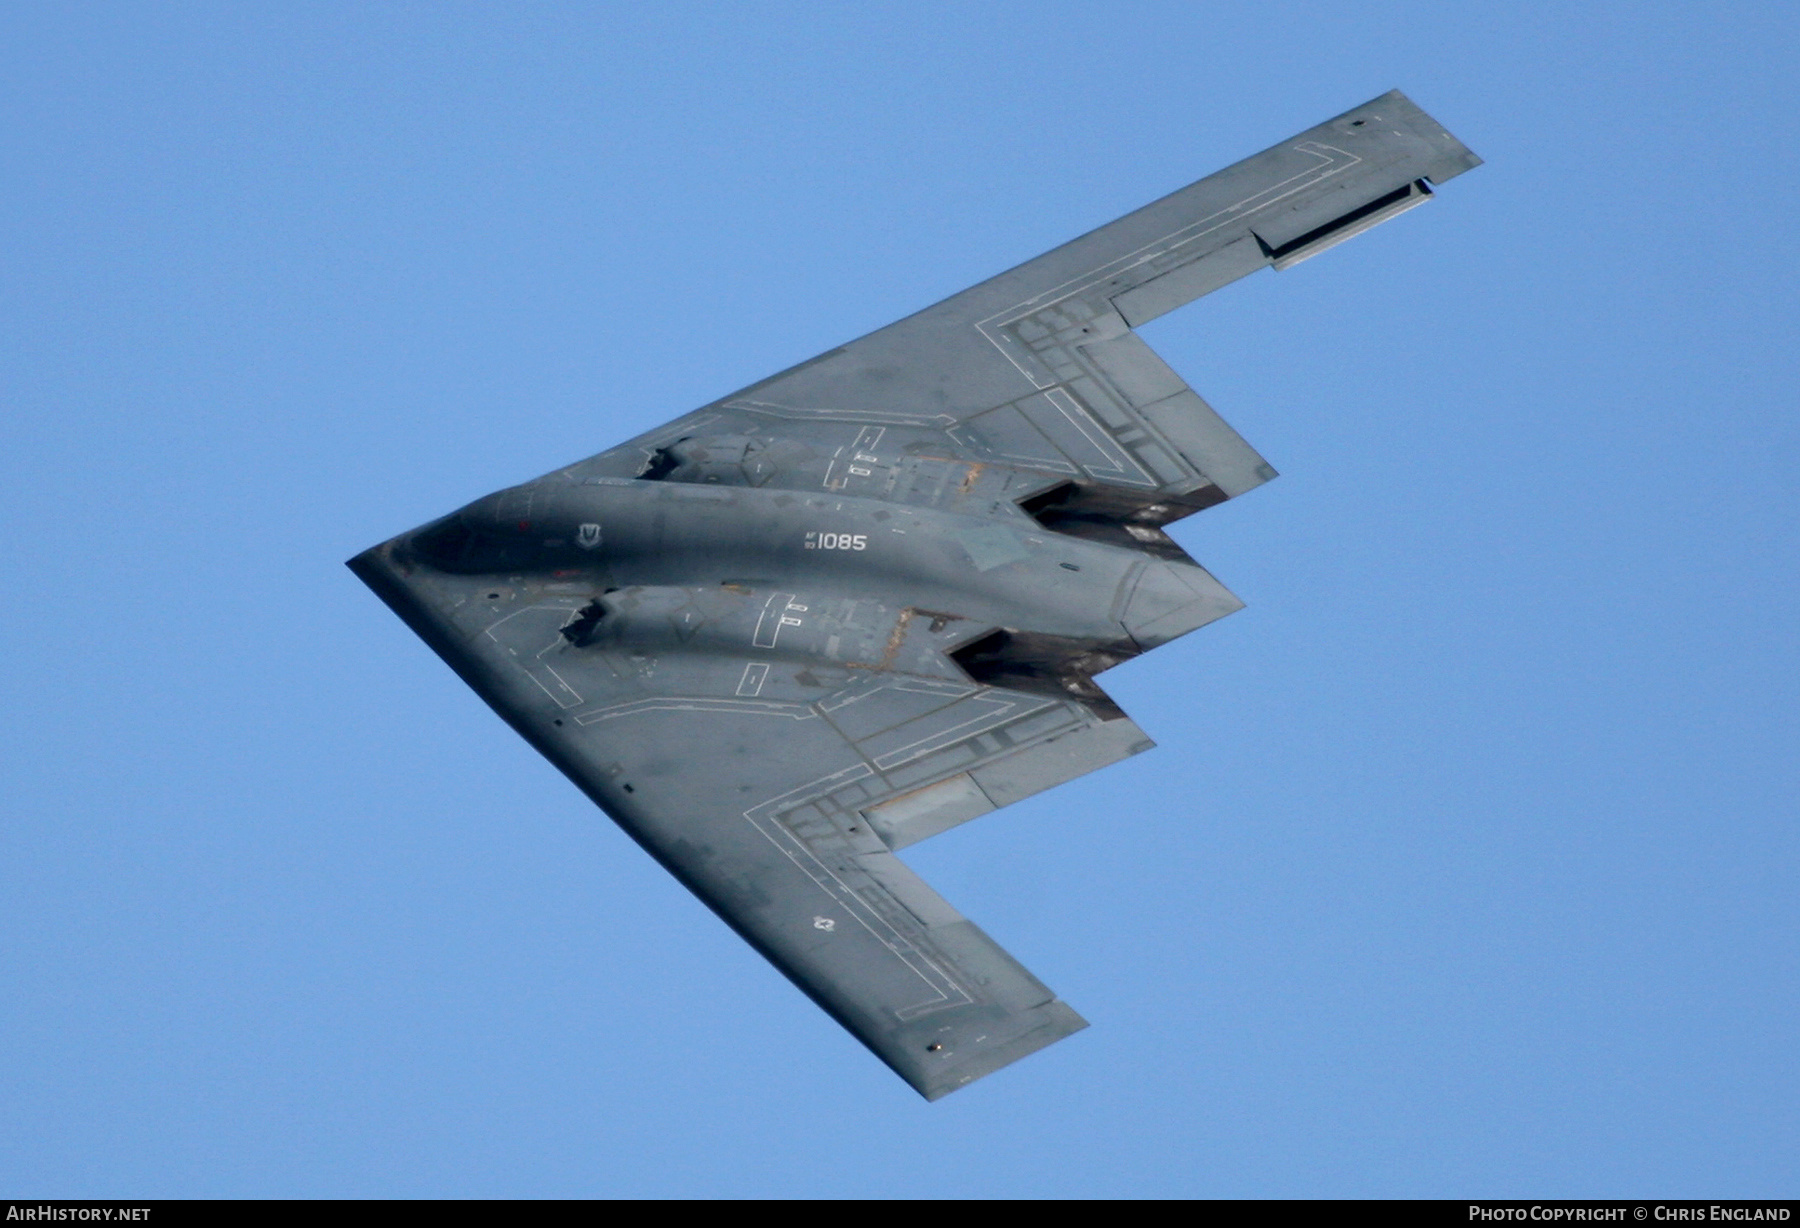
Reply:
x=447, y=543
x=467, y=540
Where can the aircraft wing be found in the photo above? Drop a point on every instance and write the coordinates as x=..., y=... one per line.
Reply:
x=778, y=793
x=1038, y=367
x=1006, y=458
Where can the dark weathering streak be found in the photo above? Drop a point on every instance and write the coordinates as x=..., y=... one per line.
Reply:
x=863, y=601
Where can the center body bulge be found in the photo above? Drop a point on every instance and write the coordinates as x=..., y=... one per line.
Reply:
x=846, y=569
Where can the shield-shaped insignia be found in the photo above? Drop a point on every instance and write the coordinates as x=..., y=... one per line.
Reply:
x=588, y=536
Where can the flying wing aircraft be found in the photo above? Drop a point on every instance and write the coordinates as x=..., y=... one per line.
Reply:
x=849, y=607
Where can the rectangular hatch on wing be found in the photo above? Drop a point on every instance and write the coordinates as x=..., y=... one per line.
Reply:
x=1334, y=232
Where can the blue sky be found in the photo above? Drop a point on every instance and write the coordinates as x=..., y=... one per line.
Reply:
x=1466, y=866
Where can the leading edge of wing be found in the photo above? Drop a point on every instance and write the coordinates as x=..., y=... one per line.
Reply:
x=802, y=874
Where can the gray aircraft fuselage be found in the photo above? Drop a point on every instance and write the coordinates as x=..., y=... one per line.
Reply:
x=852, y=571
x=786, y=636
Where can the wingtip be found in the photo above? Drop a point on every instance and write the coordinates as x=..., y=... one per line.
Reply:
x=1060, y=1021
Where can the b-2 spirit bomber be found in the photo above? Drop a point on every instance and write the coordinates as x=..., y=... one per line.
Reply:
x=787, y=635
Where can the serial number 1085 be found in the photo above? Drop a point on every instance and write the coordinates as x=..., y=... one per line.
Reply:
x=837, y=541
